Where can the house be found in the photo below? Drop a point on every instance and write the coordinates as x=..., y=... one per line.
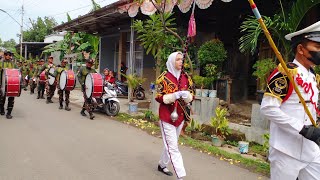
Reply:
x=118, y=42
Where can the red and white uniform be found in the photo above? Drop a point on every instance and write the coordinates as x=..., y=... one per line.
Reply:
x=291, y=155
x=168, y=84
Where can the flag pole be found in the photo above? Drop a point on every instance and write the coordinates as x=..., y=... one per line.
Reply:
x=280, y=58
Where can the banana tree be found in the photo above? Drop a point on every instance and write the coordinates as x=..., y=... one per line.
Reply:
x=279, y=25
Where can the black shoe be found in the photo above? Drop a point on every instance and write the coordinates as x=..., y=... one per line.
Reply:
x=67, y=108
x=83, y=113
x=2, y=113
x=25, y=89
x=42, y=97
x=92, y=116
x=168, y=173
x=8, y=116
x=38, y=97
x=60, y=107
x=50, y=101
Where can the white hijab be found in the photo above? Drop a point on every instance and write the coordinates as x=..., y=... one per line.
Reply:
x=171, y=65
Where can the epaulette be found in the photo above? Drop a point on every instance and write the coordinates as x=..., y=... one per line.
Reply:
x=292, y=67
x=318, y=79
x=161, y=77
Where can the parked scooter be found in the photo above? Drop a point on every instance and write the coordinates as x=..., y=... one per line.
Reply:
x=108, y=103
x=122, y=90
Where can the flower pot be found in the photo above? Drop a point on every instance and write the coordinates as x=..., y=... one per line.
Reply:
x=260, y=95
x=217, y=141
x=213, y=93
x=198, y=92
x=243, y=147
x=133, y=107
x=204, y=92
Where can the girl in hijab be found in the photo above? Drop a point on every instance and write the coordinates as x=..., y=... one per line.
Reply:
x=174, y=91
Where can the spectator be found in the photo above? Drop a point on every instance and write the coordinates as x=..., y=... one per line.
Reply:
x=111, y=79
x=123, y=70
x=105, y=74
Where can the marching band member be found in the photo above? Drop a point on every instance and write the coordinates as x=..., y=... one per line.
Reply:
x=174, y=92
x=49, y=88
x=40, y=85
x=32, y=82
x=25, y=74
x=9, y=64
x=82, y=73
x=57, y=74
x=294, y=142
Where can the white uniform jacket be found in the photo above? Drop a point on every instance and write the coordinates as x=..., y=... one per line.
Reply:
x=287, y=117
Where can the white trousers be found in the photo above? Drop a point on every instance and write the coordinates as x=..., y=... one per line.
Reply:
x=170, y=136
x=284, y=167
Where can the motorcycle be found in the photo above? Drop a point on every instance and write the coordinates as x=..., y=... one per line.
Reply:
x=122, y=90
x=109, y=102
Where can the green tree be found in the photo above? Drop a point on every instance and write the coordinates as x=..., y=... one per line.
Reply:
x=287, y=20
x=40, y=28
x=10, y=44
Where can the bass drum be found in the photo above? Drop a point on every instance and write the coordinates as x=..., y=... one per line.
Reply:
x=51, y=79
x=42, y=78
x=67, y=80
x=94, y=85
x=11, y=82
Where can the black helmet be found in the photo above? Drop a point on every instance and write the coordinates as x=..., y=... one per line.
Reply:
x=7, y=52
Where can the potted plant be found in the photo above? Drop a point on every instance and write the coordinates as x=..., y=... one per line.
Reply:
x=211, y=55
x=220, y=125
x=133, y=82
x=195, y=128
x=199, y=83
x=263, y=68
x=211, y=73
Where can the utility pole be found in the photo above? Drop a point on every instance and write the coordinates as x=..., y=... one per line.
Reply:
x=21, y=31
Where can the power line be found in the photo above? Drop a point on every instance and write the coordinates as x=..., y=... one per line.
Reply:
x=74, y=9
x=35, y=3
x=5, y=19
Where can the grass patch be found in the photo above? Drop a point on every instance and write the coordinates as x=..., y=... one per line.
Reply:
x=251, y=164
x=255, y=165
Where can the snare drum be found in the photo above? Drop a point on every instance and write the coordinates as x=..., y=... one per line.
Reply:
x=67, y=80
x=51, y=79
x=94, y=85
x=42, y=78
x=11, y=82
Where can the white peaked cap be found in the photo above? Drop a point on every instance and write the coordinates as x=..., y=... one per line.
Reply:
x=311, y=33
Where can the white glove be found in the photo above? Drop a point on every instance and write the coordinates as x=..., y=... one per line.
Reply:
x=185, y=94
x=177, y=94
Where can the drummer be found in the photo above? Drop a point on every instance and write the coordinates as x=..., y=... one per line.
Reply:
x=40, y=85
x=9, y=64
x=57, y=74
x=25, y=74
x=82, y=73
x=49, y=88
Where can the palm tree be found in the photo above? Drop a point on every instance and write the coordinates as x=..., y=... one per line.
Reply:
x=279, y=25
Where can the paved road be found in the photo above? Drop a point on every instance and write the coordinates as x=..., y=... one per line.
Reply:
x=42, y=142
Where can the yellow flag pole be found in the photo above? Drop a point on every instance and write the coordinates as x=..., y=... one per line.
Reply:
x=279, y=56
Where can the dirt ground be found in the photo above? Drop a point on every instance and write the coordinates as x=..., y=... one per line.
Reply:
x=240, y=113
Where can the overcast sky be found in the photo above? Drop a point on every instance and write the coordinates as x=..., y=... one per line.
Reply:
x=34, y=8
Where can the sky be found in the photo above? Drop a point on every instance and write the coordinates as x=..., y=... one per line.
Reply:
x=40, y=8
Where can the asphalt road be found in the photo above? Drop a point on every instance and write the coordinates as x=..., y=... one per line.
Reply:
x=42, y=142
